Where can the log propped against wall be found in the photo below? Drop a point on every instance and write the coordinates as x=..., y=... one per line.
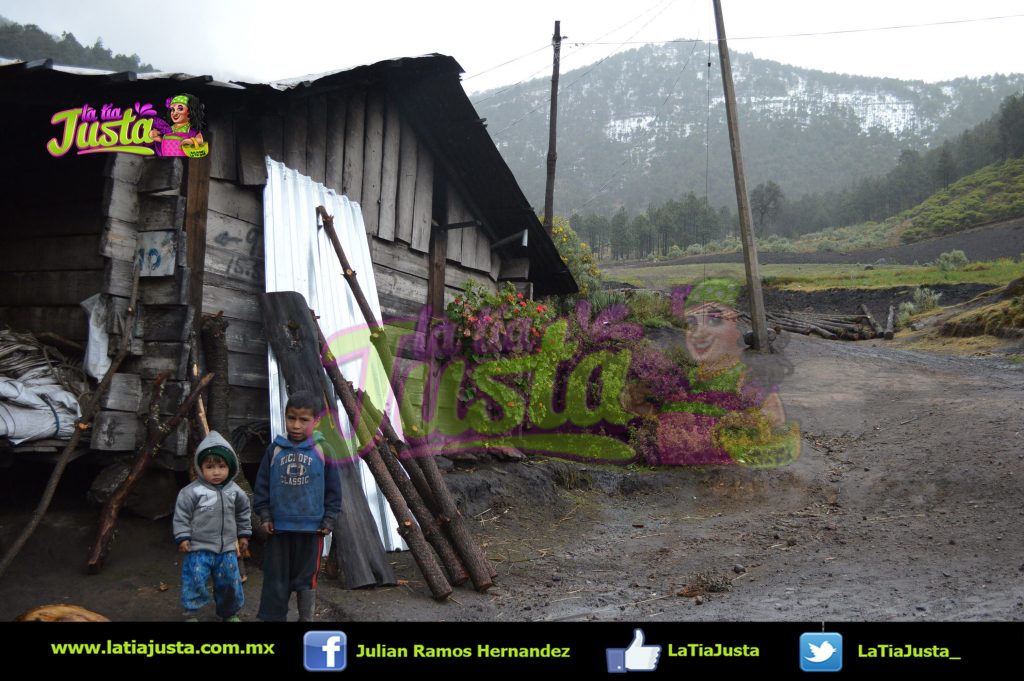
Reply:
x=362, y=559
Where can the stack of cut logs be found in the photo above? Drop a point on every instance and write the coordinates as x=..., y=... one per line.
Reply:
x=833, y=327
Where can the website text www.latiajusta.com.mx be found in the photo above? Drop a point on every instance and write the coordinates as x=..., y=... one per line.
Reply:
x=152, y=648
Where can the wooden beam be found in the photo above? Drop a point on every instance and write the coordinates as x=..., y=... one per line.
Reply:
x=421, y=219
x=197, y=198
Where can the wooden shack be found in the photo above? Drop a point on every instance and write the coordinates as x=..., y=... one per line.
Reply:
x=400, y=137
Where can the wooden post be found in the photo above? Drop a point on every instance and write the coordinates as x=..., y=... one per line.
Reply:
x=742, y=201
x=549, y=191
x=197, y=200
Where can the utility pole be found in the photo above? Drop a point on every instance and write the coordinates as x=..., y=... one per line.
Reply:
x=757, y=317
x=549, y=192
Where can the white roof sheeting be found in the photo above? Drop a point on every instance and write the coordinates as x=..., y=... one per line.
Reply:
x=299, y=257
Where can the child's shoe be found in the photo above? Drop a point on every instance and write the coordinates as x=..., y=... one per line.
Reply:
x=233, y=618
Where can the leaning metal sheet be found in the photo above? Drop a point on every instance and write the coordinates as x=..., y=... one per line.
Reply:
x=299, y=257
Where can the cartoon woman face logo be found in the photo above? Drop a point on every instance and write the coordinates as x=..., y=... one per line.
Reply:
x=713, y=336
x=182, y=135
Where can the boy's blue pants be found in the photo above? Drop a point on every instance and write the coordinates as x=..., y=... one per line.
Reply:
x=227, y=582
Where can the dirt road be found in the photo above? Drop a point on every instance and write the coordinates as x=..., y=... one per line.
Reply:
x=905, y=504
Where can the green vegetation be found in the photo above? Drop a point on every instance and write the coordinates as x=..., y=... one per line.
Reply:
x=818, y=277
x=30, y=42
x=925, y=300
x=952, y=261
x=1002, y=318
x=576, y=255
x=995, y=192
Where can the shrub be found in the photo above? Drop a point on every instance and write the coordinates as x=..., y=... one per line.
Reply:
x=675, y=252
x=952, y=261
x=904, y=313
x=576, y=255
x=925, y=299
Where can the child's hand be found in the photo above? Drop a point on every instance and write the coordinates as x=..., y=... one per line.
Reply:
x=243, y=545
x=323, y=531
x=268, y=527
x=184, y=546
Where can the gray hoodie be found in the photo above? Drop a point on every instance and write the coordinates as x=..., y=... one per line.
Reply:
x=212, y=517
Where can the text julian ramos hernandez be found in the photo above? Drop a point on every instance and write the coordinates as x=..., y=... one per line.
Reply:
x=482, y=650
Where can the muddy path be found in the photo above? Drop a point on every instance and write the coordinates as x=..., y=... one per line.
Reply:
x=905, y=504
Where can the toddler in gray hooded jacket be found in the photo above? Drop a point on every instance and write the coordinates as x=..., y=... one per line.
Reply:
x=211, y=515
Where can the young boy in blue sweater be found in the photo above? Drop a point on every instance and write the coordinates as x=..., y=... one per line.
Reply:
x=297, y=498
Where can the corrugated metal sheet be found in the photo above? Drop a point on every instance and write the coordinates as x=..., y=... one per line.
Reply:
x=299, y=257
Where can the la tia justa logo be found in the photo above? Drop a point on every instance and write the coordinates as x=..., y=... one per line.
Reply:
x=106, y=129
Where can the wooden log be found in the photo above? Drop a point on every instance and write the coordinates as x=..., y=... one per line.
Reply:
x=291, y=335
x=410, y=490
x=876, y=327
x=890, y=324
x=373, y=158
x=480, y=570
x=157, y=433
x=213, y=333
x=88, y=410
x=407, y=163
x=389, y=175
x=411, y=532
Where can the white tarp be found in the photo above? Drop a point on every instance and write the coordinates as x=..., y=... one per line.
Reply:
x=299, y=257
x=36, y=409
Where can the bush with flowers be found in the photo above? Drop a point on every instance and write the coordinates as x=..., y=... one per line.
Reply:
x=489, y=325
x=576, y=255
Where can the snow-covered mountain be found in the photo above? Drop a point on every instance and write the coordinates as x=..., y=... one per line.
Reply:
x=633, y=128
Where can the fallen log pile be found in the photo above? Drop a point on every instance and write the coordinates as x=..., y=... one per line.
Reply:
x=831, y=326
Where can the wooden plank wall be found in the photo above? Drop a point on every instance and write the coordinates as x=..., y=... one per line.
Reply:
x=144, y=195
x=356, y=142
x=49, y=248
x=234, y=276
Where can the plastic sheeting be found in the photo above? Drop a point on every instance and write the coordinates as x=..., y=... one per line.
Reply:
x=36, y=409
x=299, y=257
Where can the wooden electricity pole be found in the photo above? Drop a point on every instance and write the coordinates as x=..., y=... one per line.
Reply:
x=743, y=204
x=549, y=192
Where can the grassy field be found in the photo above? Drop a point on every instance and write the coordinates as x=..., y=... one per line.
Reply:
x=820, y=277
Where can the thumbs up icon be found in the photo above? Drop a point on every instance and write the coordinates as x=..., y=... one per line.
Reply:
x=636, y=658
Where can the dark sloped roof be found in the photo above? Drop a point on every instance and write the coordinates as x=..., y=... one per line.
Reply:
x=427, y=89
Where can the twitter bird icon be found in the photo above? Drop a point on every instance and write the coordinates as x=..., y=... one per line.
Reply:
x=821, y=652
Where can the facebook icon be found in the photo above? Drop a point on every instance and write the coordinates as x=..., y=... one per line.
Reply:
x=324, y=651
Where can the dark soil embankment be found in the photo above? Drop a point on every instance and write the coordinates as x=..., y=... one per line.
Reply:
x=848, y=301
x=1001, y=240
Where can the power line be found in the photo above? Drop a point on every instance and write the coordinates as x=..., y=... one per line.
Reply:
x=506, y=63
x=568, y=56
x=581, y=77
x=813, y=33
